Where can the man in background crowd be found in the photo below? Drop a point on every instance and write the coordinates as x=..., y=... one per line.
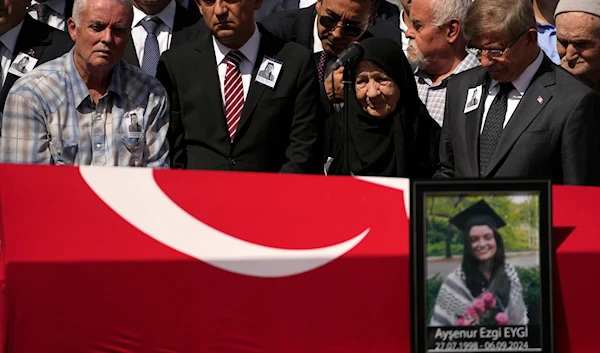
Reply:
x=437, y=49
x=544, y=16
x=23, y=37
x=529, y=119
x=77, y=109
x=54, y=13
x=578, y=36
x=157, y=26
x=327, y=28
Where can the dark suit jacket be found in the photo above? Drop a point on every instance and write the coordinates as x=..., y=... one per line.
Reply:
x=280, y=129
x=553, y=133
x=44, y=42
x=186, y=28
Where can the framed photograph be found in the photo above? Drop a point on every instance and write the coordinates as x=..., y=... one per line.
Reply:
x=481, y=260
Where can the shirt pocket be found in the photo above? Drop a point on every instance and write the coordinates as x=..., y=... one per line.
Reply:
x=133, y=144
x=64, y=152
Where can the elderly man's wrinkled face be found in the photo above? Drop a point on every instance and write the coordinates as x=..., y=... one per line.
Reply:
x=427, y=41
x=101, y=36
x=341, y=22
x=578, y=42
x=377, y=92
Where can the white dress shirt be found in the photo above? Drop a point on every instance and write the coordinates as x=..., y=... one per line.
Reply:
x=165, y=30
x=9, y=41
x=57, y=18
x=514, y=96
x=306, y=3
x=250, y=51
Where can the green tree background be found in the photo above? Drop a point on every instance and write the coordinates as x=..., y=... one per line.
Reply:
x=520, y=214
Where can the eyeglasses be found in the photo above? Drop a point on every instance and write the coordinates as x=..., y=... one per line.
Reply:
x=492, y=53
x=350, y=29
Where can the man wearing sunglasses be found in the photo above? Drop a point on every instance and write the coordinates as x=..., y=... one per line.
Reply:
x=327, y=28
x=533, y=119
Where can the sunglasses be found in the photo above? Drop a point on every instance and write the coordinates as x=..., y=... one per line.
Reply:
x=330, y=23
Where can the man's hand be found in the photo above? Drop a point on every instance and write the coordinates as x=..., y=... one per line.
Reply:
x=336, y=95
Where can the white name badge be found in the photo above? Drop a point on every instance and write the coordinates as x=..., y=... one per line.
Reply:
x=22, y=64
x=268, y=72
x=473, y=98
x=134, y=122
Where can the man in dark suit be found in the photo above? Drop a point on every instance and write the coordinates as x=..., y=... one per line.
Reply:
x=338, y=23
x=222, y=116
x=533, y=120
x=159, y=25
x=22, y=36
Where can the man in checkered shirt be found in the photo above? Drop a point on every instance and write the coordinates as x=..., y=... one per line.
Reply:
x=77, y=109
x=437, y=49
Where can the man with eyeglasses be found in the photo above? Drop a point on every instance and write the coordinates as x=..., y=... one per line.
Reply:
x=327, y=28
x=533, y=119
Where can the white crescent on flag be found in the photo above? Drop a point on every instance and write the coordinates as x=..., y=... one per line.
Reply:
x=144, y=205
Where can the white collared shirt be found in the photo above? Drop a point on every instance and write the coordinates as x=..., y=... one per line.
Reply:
x=514, y=96
x=57, y=18
x=165, y=30
x=9, y=41
x=250, y=51
x=306, y=3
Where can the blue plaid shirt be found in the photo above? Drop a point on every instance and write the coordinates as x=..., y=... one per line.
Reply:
x=434, y=97
x=50, y=118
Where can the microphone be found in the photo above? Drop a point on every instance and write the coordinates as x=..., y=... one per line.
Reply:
x=351, y=55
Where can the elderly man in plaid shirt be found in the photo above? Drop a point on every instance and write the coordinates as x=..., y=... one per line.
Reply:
x=437, y=49
x=78, y=109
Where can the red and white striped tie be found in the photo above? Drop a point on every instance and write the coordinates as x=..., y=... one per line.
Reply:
x=234, y=92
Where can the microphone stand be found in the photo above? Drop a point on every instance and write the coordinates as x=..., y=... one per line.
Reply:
x=346, y=80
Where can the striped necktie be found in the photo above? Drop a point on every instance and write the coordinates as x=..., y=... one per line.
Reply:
x=234, y=92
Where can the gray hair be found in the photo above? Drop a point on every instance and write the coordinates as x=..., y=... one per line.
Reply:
x=443, y=11
x=507, y=17
x=80, y=5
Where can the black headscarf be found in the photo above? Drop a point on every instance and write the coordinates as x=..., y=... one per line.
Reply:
x=404, y=143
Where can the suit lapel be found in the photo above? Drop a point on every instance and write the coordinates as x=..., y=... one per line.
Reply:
x=28, y=42
x=129, y=55
x=473, y=120
x=531, y=104
x=256, y=89
x=206, y=73
x=182, y=32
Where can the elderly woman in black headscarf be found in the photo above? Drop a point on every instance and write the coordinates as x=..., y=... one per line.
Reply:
x=390, y=132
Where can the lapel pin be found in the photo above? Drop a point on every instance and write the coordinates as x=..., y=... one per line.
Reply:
x=540, y=99
x=31, y=52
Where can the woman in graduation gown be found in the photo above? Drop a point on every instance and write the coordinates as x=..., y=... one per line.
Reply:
x=390, y=132
x=484, y=270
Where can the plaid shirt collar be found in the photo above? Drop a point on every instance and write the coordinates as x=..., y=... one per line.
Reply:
x=80, y=90
x=469, y=62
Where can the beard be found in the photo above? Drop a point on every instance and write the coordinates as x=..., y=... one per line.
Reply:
x=415, y=57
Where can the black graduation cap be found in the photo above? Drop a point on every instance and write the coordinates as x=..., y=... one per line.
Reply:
x=480, y=213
